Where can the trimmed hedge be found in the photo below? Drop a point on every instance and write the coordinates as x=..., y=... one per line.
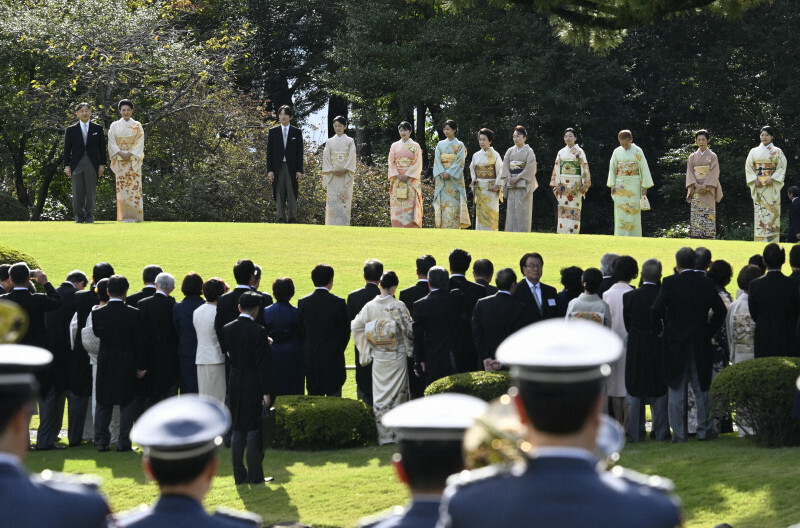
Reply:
x=761, y=393
x=9, y=255
x=484, y=385
x=11, y=209
x=320, y=422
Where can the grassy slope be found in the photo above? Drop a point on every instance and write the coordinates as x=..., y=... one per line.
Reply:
x=726, y=480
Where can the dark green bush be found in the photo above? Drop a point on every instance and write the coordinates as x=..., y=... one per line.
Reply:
x=319, y=422
x=11, y=209
x=9, y=255
x=760, y=392
x=484, y=385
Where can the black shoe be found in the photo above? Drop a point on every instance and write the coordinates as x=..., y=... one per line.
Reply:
x=124, y=449
x=51, y=447
x=266, y=479
x=74, y=444
x=103, y=449
x=293, y=220
x=79, y=221
x=89, y=221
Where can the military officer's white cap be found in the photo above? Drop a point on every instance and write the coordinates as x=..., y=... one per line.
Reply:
x=17, y=365
x=436, y=417
x=560, y=351
x=182, y=427
x=798, y=383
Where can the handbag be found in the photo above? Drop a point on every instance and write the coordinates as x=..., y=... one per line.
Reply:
x=401, y=191
x=644, y=203
x=267, y=426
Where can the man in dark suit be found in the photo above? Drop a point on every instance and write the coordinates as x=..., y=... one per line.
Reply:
x=160, y=342
x=51, y=409
x=120, y=362
x=703, y=260
x=794, y=261
x=34, y=304
x=466, y=358
x=437, y=328
x=149, y=274
x=645, y=356
x=266, y=299
x=252, y=385
x=683, y=304
x=373, y=269
x=79, y=394
x=5, y=279
x=496, y=317
x=84, y=162
x=285, y=163
x=606, y=263
x=539, y=299
x=793, y=233
x=325, y=329
x=408, y=296
x=27, y=500
x=774, y=302
x=482, y=272
x=244, y=273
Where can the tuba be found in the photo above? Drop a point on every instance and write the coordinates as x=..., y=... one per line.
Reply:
x=13, y=322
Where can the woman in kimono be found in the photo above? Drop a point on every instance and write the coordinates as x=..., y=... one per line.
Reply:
x=486, y=169
x=338, y=171
x=519, y=173
x=126, y=151
x=629, y=178
x=405, y=170
x=450, y=195
x=383, y=336
x=570, y=181
x=765, y=170
x=703, y=189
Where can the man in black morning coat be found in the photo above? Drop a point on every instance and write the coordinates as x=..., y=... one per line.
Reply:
x=774, y=303
x=373, y=269
x=285, y=163
x=325, y=330
x=84, y=162
x=542, y=304
x=437, y=328
x=496, y=317
x=79, y=394
x=467, y=358
x=149, y=274
x=683, y=304
x=482, y=271
x=120, y=362
x=408, y=296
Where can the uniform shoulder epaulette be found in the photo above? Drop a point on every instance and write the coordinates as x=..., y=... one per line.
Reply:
x=661, y=484
x=245, y=518
x=372, y=520
x=474, y=476
x=53, y=478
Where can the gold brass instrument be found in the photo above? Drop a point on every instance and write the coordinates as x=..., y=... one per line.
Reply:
x=13, y=322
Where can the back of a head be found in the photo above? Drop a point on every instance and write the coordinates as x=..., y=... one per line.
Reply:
x=283, y=289
x=117, y=286
x=4, y=271
x=77, y=276
x=774, y=256
x=591, y=279
x=149, y=273
x=165, y=282
x=606, y=261
x=321, y=275
x=438, y=277
x=758, y=260
x=249, y=301
x=702, y=258
x=20, y=274
x=192, y=284
x=102, y=270
x=459, y=261
x=651, y=270
x=571, y=278
x=505, y=279
x=720, y=272
x=794, y=256
x=389, y=280
x=483, y=268
x=424, y=264
x=685, y=258
x=747, y=275
x=373, y=269
x=428, y=463
x=243, y=271
x=213, y=289
x=625, y=269
x=102, y=290
x=19, y=389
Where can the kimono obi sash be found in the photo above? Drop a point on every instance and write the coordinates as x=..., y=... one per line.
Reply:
x=339, y=158
x=744, y=328
x=382, y=335
x=125, y=142
x=627, y=168
x=447, y=160
x=701, y=172
x=404, y=161
x=764, y=169
x=570, y=168
x=515, y=167
x=596, y=317
x=485, y=172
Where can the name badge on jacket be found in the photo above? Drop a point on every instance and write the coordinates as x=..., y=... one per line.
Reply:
x=551, y=302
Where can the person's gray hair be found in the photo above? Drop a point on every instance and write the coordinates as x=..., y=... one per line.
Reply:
x=606, y=261
x=165, y=281
x=651, y=270
x=438, y=277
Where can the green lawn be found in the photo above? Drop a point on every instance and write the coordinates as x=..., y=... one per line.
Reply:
x=726, y=480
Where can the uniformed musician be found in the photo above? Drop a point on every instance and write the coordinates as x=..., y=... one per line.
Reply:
x=559, y=368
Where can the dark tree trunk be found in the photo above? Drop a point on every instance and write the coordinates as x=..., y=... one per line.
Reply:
x=18, y=155
x=421, y=113
x=48, y=173
x=337, y=106
x=363, y=139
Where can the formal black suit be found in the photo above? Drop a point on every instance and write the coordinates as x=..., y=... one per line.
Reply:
x=133, y=299
x=490, y=290
x=355, y=302
x=293, y=152
x=160, y=347
x=408, y=296
x=605, y=284
x=495, y=318
x=74, y=148
x=438, y=333
x=325, y=330
x=80, y=372
x=549, y=304
x=794, y=221
x=35, y=305
x=228, y=308
x=774, y=302
x=121, y=354
x=467, y=359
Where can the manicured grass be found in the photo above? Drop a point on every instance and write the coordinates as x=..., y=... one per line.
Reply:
x=726, y=480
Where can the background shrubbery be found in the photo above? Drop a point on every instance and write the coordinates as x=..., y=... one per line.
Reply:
x=484, y=385
x=319, y=422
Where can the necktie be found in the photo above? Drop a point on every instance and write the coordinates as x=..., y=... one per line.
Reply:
x=536, y=298
x=85, y=127
x=285, y=136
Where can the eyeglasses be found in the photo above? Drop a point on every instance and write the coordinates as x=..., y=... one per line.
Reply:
x=533, y=266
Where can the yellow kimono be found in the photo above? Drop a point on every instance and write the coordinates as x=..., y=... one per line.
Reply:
x=339, y=154
x=487, y=171
x=763, y=163
x=570, y=181
x=127, y=135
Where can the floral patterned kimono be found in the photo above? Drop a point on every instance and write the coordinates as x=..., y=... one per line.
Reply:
x=762, y=163
x=570, y=181
x=519, y=197
x=127, y=135
x=450, y=196
x=703, y=169
x=487, y=171
x=339, y=154
x=628, y=173
x=405, y=198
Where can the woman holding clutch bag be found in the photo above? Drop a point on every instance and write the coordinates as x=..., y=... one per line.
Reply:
x=570, y=181
x=765, y=170
x=703, y=190
x=519, y=173
x=629, y=178
x=338, y=171
x=487, y=183
x=405, y=170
